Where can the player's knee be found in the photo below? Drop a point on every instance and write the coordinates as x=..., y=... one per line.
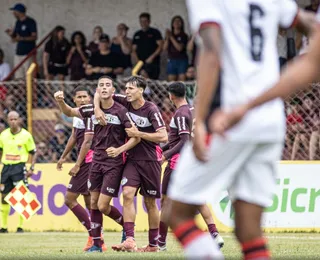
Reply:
x=70, y=203
x=103, y=207
x=128, y=195
x=150, y=203
x=164, y=201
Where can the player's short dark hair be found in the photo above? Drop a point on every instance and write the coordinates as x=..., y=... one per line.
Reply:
x=145, y=15
x=178, y=89
x=138, y=81
x=106, y=77
x=79, y=88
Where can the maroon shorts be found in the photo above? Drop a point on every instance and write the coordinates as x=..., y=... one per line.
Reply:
x=166, y=179
x=106, y=178
x=145, y=175
x=79, y=183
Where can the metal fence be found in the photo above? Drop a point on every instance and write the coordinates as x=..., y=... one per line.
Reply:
x=51, y=129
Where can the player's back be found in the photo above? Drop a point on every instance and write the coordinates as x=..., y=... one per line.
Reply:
x=249, y=58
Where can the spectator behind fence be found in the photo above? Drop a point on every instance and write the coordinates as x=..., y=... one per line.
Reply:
x=313, y=7
x=175, y=44
x=4, y=67
x=55, y=55
x=104, y=62
x=25, y=34
x=122, y=46
x=191, y=73
x=147, y=46
x=94, y=44
x=43, y=153
x=58, y=143
x=78, y=56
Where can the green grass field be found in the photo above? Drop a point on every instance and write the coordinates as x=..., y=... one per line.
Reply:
x=68, y=245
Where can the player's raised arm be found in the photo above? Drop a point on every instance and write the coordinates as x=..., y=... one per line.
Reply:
x=65, y=109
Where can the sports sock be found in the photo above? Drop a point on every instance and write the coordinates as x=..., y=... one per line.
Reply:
x=5, y=210
x=196, y=243
x=96, y=224
x=153, y=237
x=163, y=231
x=256, y=249
x=21, y=221
x=212, y=229
x=129, y=229
x=82, y=216
x=116, y=215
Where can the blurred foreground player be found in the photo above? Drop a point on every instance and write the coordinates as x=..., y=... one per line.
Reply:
x=107, y=164
x=16, y=145
x=244, y=50
x=78, y=184
x=181, y=127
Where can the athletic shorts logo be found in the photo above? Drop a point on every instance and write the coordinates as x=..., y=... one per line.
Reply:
x=69, y=186
x=110, y=190
x=89, y=184
x=124, y=181
x=152, y=192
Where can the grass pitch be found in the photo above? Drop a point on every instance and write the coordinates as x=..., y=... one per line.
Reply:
x=68, y=245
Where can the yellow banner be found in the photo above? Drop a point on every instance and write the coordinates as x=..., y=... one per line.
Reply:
x=49, y=186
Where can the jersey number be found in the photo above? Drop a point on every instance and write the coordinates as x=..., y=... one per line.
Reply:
x=256, y=35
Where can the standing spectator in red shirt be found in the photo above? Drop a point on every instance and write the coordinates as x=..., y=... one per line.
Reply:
x=147, y=46
x=94, y=44
x=175, y=44
x=122, y=46
x=55, y=55
x=78, y=56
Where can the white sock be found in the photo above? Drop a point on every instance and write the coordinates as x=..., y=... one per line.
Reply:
x=203, y=247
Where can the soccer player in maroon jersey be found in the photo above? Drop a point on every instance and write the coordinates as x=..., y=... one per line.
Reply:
x=180, y=132
x=143, y=167
x=80, y=172
x=107, y=163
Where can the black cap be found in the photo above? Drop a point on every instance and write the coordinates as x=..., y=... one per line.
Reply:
x=104, y=38
x=19, y=7
x=178, y=89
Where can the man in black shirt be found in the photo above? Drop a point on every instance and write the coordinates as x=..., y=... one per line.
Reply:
x=25, y=34
x=103, y=62
x=147, y=46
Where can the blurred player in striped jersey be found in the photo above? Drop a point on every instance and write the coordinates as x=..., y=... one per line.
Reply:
x=181, y=127
x=238, y=43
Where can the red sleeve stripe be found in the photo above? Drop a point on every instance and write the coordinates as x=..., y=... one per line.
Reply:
x=295, y=20
x=208, y=24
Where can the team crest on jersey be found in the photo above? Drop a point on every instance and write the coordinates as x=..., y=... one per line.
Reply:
x=124, y=181
x=140, y=121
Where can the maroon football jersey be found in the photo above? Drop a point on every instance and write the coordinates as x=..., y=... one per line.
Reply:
x=111, y=135
x=148, y=119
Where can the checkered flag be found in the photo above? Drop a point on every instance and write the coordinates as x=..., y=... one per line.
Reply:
x=23, y=201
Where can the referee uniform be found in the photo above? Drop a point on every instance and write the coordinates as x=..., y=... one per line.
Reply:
x=15, y=150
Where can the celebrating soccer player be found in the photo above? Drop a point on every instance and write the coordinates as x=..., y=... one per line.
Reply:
x=143, y=168
x=109, y=146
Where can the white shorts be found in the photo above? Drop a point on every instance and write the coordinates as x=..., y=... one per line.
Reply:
x=246, y=170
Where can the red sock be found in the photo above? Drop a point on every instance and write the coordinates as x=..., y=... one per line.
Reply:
x=96, y=224
x=129, y=229
x=256, y=249
x=153, y=237
x=212, y=229
x=116, y=215
x=187, y=232
x=83, y=217
x=163, y=231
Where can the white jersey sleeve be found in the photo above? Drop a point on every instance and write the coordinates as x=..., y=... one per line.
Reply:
x=288, y=12
x=203, y=12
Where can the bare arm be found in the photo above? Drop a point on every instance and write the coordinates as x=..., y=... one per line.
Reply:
x=157, y=51
x=65, y=109
x=305, y=22
x=177, y=148
x=134, y=54
x=132, y=142
x=160, y=136
x=166, y=44
x=176, y=44
x=85, y=147
x=45, y=60
x=70, y=144
x=126, y=45
x=190, y=44
x=70, y=54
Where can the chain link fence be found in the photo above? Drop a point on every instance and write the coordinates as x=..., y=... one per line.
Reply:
x=51, y=129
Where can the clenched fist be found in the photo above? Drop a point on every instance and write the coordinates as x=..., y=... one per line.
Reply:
x=59, y=96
